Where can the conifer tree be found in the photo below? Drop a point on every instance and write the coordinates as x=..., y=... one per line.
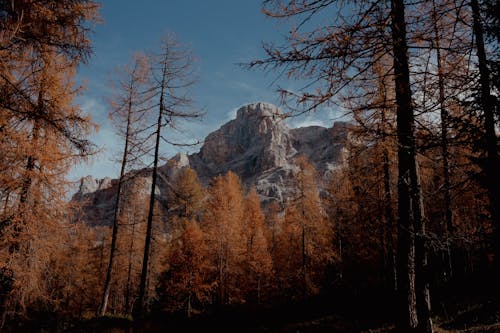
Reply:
x=172, y=72
x=310, y=233
x=223, y=227
x=487, y=105
x=334, y=56
x=43, y=131
x=258, y=261
x=187, y=195
x=185, y=284
x=128, y=106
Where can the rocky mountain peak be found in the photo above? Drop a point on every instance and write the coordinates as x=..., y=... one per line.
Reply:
x=260, y=111
x=89, y=184
x=255, y=141
x=257, y=145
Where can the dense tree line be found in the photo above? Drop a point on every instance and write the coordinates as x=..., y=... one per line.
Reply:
x=413, y=208
x=422, y=72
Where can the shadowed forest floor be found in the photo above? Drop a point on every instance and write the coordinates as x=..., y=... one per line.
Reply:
x=470, y=316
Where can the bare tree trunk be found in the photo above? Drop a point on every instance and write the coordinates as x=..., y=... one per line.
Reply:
x=129, y=269
x=448, y=227
x=421, y=262
x=304, y=261
x=391, y=271
x=407, y=319
x=174, y=67
x=147, y=244
x=340, y=249
x=389, y=220
x=488, y=106
x=114, y=236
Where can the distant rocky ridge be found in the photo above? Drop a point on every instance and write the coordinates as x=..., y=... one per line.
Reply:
x=257, y=145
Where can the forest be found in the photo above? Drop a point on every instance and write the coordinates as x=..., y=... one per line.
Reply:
x=403, y=236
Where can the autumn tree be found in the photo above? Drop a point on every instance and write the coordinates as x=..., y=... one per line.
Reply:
x=43, y=132
x=128, y=109
x=34, y=184
x=223, y=226
x=185, y=285
x=370, y=159
x=332, y=57
x=342, y=209
x=274, y=226
x=308, y=235
x=172, y=73
x=130, y=241
x=258, y=259
x=187, y=196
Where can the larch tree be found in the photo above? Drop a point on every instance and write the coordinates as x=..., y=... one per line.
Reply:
x=310, y=230
x=274, y=226
x=172, y=73
x=43, y=131
x=258, y=259
x=185, y=284
x=223, y=226
x=374, y=145
x=187, y=195
x=332, y=57
x=130, y=241
x=43, y=159
x=128, y=108
x=414, y=295
x=488, y=104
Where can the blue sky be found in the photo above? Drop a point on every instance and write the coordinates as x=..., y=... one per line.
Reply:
x=221, y=34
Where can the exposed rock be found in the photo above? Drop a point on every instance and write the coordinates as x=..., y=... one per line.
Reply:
x=257, y=145
x=257, y=140
x=89, y=184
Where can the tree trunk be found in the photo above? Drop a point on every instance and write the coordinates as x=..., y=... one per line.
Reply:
x=129, y=269
x=488, y=106
x=149, y=227
x=407, y=320
x=448, y=225
x=304, y=272
x=389, y=220
x=421, y=263
x=26, y=185
x=114, y=236
x=388, y=231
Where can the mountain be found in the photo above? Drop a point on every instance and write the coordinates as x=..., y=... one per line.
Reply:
x=257, y=145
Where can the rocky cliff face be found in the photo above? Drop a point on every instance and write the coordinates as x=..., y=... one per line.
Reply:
x=256, y=140
x=257, y=145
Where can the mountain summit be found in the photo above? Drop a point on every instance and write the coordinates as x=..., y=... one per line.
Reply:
x=257, y=145
x=256, y=141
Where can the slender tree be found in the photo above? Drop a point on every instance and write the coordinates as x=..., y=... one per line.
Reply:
x=223, y=227
x=309, y=235
x=258, y=259
x=172, y=71
x=128, y=106
x=487, y=105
